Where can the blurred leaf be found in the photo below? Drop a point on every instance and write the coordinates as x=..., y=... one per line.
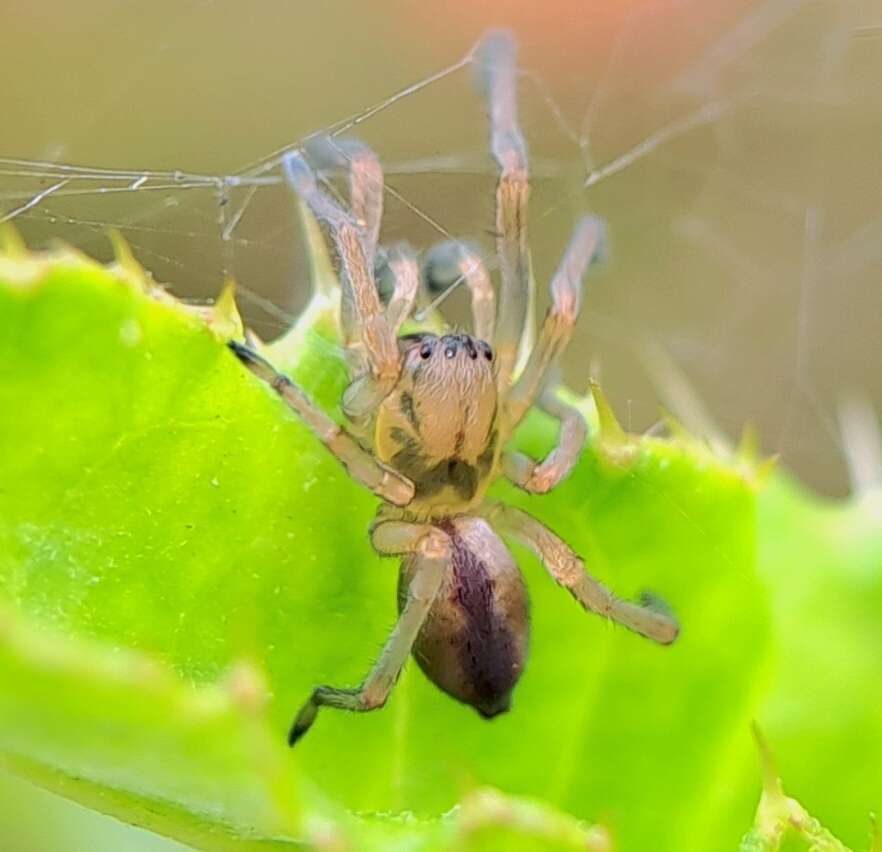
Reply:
x=181, y=562
x=822, y=561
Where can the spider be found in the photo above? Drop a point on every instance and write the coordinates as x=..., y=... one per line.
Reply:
x=434, y=414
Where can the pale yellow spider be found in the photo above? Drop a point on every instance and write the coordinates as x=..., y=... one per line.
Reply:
x=436, y=413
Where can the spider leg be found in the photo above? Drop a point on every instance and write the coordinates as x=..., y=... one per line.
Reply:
x=540, y=477
x=649, y=618
x=566, y=300
x=364, y=394
x=365, y=182
x=452, y=261
x=365, y=191
x=364, y=325
x=402, y=264
x=431, y=548
x=362, y=466
x=497, y=70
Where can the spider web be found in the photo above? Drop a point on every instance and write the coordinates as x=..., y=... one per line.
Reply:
x=746, y=220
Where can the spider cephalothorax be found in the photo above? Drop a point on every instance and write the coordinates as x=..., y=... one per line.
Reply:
x=437, y=427
x=433, y=414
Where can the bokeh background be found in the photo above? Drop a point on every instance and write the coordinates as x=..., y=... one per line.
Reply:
x=732, y=146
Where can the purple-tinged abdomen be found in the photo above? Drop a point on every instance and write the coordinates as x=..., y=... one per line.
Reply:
x=474, y=643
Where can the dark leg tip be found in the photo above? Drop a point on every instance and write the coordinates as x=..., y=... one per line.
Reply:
x=241, y=351
x=296, y=732
x=304, y=720
x=297, y=172
x=658, y=605
x=251, y=359
x=652, y=601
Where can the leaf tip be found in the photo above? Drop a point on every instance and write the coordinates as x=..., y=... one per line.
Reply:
x=11, y=242
x=614, y=442
x=675, y=428
x=322, y=277
x=755, y=467
x=771, y=779
x=126, y=264
x=225, y=320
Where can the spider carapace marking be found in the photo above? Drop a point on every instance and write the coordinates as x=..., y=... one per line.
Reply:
x=437, y=428
x=431, y=416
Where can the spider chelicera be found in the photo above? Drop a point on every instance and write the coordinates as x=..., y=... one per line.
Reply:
x=433, y=415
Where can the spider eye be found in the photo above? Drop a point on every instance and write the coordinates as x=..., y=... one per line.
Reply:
x=488, y=352
x=425, y=351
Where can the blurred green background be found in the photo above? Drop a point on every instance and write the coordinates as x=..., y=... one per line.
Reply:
x=745, y=250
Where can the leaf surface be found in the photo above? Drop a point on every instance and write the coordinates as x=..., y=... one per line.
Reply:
x=181, y=562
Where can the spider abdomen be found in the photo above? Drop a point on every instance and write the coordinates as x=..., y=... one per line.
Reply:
x=474, y=642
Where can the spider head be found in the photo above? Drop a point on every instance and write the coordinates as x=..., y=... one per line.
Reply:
x=443, y=410
x=452, y=352
x=449, y=373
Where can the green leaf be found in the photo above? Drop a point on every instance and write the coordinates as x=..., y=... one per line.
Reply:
x=181, y=562
x=822, y=561
x=778, y=815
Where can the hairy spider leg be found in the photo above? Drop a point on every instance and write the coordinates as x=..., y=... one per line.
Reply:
x=364, y=325
x=541, y=477
x=452, y=261
x=365, y=175
x=365, y=191
x=650, y=618
x=495, y=60
x=557, y=327
x=432, y=550
x=402, y=263
x=366, y=205
x=361, y=465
